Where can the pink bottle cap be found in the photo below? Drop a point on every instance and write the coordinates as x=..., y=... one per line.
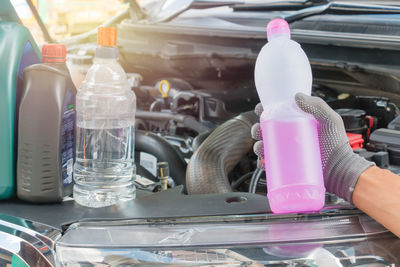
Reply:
x=276, y=28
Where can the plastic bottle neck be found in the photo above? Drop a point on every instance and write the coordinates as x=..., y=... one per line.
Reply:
x=276, y=37
x=106, y=53
x=100, y=60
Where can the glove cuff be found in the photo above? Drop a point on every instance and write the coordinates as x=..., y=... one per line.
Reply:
x=345, y=168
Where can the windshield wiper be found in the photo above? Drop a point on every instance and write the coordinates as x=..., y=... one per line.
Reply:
x=166, y=10
x=279, y=5
x=341, y=8
x=169, y=9
x=43, y=28
x=309, y=8
x=199, y=4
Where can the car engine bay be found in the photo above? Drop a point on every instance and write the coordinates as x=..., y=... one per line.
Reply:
x=192, y=71
x=196, y=95
x=370, y=122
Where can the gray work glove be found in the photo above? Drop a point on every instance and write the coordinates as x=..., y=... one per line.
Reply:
x=341, y=166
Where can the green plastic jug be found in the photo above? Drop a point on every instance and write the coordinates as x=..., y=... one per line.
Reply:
x=17, y=51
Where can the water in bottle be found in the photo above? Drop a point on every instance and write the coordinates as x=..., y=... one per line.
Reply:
x=104, y=170
x=291, y=145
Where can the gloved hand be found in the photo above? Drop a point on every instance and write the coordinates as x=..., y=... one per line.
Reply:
x=341, y=166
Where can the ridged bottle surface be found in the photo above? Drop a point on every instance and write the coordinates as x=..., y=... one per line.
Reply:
x=104, y=169
x=46, y=133
x=17, y=51
x=291, y=145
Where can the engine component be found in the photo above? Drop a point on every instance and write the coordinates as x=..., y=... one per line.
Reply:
x=355, y=140
x=163, y=174
x=379, y=107
x=390, y=139
x=208, y=169
x=198, y=140
x=182, y=144
x=201, y=104
x=354, y=120
x=381, y=158
x=255, y=178
x=395, y=124
x=163, y=151
x=145, y=184
x=187, y=121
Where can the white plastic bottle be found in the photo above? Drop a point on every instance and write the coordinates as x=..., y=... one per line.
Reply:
x=104, y=169
x=291, y=146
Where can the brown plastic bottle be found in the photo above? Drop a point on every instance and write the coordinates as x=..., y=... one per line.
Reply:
x=46, y=129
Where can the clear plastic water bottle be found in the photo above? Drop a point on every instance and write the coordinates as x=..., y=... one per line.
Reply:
x=104, y=169
x=291, y=146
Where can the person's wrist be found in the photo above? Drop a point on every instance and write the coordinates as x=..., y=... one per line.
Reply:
x=358, y=166
x=343, y=171
x=369, y=177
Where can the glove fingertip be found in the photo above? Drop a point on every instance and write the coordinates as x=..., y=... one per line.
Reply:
x=314, y=106
x=256, y=131
x=259, y=109
x=258, y=148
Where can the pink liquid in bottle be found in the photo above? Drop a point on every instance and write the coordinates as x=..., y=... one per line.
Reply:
x=293, y=165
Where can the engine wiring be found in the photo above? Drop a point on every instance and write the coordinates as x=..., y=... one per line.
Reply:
x=255, y=178
x=236, y=184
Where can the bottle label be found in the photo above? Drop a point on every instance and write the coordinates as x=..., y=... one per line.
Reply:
x=149, y=162
x=67, y=138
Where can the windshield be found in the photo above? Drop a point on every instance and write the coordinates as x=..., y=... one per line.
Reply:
x=66, y=18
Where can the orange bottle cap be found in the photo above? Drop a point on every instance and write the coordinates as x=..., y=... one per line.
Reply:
x=54, y=53
x=107, y=36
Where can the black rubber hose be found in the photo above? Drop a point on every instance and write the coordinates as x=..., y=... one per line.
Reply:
x=208, y=169
x=199, y=139
x=255, y=178
x=241, y=180
x=163, y=151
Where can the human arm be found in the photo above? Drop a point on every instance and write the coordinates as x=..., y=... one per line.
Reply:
x=373, y=190
x=377, y=194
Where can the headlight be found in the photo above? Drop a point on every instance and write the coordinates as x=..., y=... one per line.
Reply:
x=307, y=240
